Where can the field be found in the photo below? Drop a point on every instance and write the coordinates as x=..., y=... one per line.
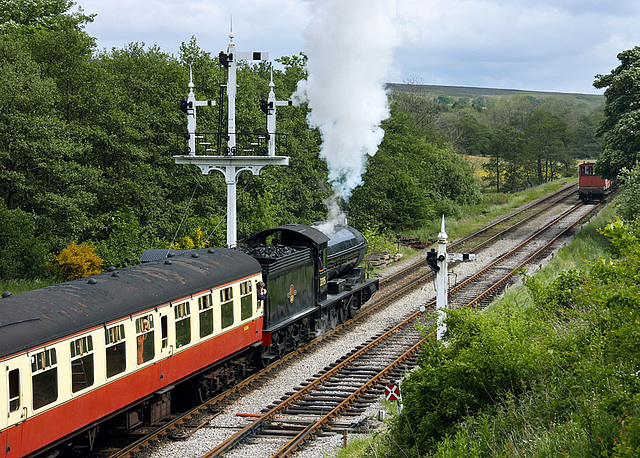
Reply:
x=457, y=92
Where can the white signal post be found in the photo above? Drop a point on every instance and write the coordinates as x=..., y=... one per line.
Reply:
x=232, y=85
x=442, y=280
x=230, y=164
x=272, y=103
x=441, y=266
x=192, y=103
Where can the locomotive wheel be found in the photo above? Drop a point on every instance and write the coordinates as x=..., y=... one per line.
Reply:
x=342, y=314
x=366, y=295
x=333, y=317
x=354, y=305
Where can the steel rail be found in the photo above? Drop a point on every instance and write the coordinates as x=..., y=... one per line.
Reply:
x=140, y=444
x=529, y=259
x=522, y=244
x=393, y=295
x=478, y=233
x=257, y=424
x=558, y=196
x=310, y=430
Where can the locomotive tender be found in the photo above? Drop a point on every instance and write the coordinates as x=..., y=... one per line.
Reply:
x=115, y=345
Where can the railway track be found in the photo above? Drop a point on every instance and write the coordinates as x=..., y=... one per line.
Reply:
x=402, y=280
x=343, y=388
x=184, y=426
x=353, y=380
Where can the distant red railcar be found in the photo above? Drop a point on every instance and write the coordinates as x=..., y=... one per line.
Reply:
x=592, y=187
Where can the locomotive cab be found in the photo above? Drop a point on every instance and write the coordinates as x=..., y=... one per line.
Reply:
x=295, y=254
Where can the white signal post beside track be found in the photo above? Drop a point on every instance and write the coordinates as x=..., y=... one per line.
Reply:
x=442, y=278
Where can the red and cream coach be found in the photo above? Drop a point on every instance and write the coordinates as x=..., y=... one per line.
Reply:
x=76, y=353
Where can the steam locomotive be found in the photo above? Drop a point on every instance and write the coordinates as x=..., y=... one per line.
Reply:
x=111, y=349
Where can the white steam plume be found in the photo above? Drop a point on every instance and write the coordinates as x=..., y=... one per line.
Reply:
x=349, y=45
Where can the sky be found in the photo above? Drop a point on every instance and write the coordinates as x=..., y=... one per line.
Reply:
x=541, y=45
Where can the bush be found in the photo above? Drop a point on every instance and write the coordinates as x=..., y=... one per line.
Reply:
x=124, y=239
x=487, y=359
x=628, y=200
x=198, y=240
x=378, y=241
x=76, y=261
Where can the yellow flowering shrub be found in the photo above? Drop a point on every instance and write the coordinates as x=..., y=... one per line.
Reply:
x=76, y=261
x=198, y=240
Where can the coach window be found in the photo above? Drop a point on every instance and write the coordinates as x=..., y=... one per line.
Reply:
x=164, y=329
x=587, y=171
x=183, y=324
x=116, y=350
x=226, y=305
x=206, y=315
x=81, y=363
x=14, y=390
x=246, y=309
x=145, y=349
x=44, y=378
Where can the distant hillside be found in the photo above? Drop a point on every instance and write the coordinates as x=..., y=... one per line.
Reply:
x=457, y=92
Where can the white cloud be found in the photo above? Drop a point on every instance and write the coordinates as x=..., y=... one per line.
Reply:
x=526, y=44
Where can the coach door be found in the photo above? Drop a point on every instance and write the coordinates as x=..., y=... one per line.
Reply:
x=17, y=410
x=166, y=344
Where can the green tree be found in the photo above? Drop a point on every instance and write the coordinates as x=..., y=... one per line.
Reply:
x=585, y=143
x=473, y=135
x=38, y=172
x=620, y=126
x=23, y=253
x=411, y=180
x=628, y=199
x=40, y=13
x=124, y=238
x=545, y=136
x=43, y=49
x=503, y=169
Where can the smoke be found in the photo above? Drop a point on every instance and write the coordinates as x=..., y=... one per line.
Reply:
x=349, y=45
x=335, y=216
